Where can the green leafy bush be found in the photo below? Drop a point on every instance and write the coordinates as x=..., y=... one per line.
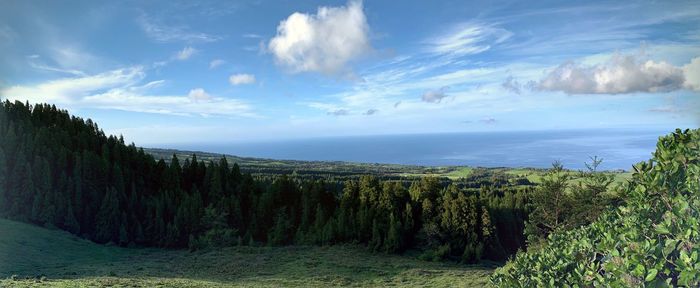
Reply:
x=651, y=240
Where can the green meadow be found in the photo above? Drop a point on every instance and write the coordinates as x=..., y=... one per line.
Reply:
x=33, y=256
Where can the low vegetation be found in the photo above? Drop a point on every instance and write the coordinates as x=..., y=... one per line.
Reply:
x=37, y=257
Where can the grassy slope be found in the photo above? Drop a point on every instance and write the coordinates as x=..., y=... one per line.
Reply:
x=535, y=175
x=68, y=261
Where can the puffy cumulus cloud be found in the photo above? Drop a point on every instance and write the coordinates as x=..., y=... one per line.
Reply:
x=121, y=89
x=323, y=42
x=434, y=96
x=240, y=79
x=621, y=74
x=185, y=53
x=198, y=94
x=692, y=74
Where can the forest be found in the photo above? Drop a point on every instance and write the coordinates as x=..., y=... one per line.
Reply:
x=61, y=171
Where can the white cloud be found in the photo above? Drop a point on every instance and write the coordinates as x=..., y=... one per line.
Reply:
x=434, y=96
x=468, y=38
x=205, y=105
x=692, y=74
x=149, y=85
x=240, y=79
x=185, y=53
x=620, y=74
x=169, y=33
x=121, y=90
x=70, y=90
x=216, y=63
x=198, y=94
x=65, y=58
x=324, y=42
x=35, y=62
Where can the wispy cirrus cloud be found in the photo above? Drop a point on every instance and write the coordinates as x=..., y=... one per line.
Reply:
x=162, y=32
x=467, y=38
x=185, y=53
x=36, y=63
x=121, y=89
x=216, y=63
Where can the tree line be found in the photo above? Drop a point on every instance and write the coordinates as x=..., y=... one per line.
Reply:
x=62, y=171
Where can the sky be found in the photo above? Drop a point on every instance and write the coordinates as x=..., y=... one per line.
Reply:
x=221, y=71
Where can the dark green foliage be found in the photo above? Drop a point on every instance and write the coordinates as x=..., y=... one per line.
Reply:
x=108, y=220
x=652, y=239
x=63, y=171
x=551, y=203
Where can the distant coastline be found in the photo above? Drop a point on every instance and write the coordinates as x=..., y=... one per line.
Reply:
x=619, y=148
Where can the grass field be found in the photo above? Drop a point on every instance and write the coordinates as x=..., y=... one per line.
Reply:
x=39, y=257
x=535, y=175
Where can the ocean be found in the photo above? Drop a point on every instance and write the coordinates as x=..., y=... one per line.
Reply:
x=620, y=149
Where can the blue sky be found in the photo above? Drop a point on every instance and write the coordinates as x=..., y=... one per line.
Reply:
x=179, y=72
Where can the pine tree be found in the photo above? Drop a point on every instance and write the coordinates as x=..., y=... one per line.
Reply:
x=108, y=218
x=70, y=222
x=3, y=181
x=550, y=204
x=280, y=233
x=393, y=238
x=123, y=236
x=492, y=245
x=376, y=243
x=21, y=190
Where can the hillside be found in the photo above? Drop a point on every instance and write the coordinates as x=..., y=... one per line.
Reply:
x=57, y=170
x=67, y=261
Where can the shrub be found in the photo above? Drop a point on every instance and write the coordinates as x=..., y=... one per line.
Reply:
x=652, y=240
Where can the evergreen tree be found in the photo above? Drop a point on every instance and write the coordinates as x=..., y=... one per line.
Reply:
x=376, y=243
x=550, y=203
x=589, y=194
x=108, y=218
x=393, y=239
x=3, y=182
